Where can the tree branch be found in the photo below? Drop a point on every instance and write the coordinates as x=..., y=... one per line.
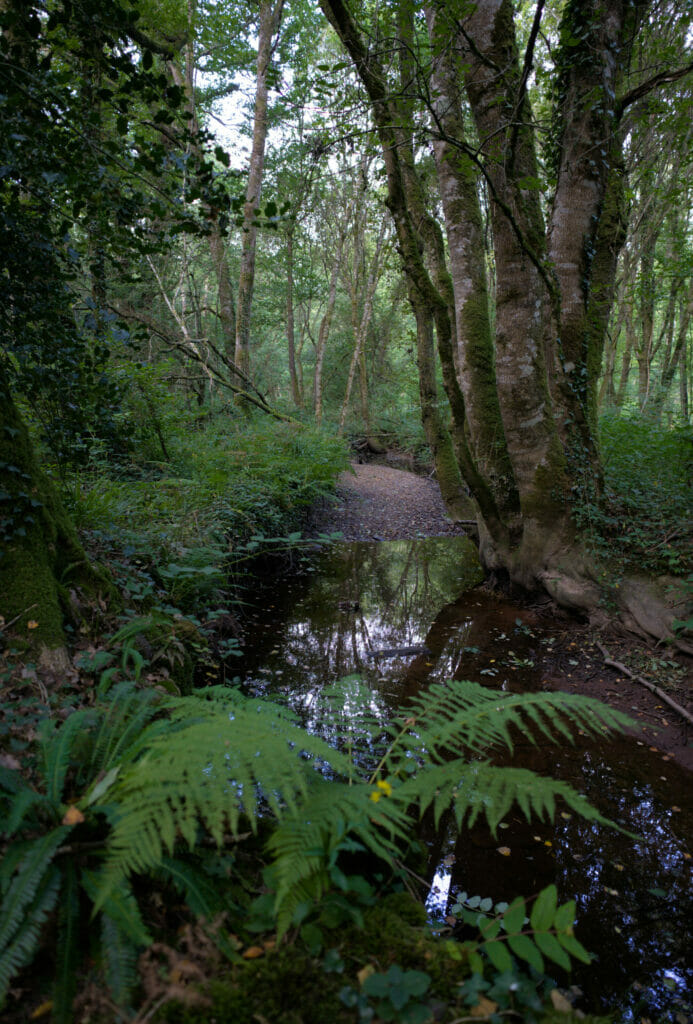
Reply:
x=663, y=78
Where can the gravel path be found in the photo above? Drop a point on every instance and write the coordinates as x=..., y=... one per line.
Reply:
x=382, y=503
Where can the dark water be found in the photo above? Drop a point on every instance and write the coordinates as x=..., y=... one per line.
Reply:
x=358, y=603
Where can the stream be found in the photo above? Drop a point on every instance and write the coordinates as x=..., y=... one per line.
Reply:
x=353, y=605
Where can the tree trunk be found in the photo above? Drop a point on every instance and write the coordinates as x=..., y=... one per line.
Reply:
x=269, y=19
x=290, y=324
x=42, y=563
x=326, y=322
x=549, y=323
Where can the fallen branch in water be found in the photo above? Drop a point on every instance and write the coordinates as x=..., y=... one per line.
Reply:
x=608, y=660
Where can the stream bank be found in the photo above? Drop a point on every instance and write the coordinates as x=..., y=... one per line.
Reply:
x=376, y=502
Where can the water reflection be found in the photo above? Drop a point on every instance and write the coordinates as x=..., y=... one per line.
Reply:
x=363, y=601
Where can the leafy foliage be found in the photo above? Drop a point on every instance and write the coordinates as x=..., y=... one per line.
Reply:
x=139, y=777
x=647, y=484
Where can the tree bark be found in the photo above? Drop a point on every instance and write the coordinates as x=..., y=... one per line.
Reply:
x=42, y=562
x=269, y=19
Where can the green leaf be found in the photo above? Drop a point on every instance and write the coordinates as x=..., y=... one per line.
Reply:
x=524, y=947
x=514, y=917
x=565, y=917
x=542, y=916
x=575, y=948
x=552, y=949
x=499, y=956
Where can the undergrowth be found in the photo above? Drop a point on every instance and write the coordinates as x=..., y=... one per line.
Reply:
x=643, y=519
x=141, y=796
x=230, y=488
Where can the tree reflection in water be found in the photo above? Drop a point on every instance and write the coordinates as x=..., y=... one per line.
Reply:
x=634, y=896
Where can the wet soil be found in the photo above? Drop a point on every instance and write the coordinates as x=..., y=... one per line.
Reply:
x=376, y=502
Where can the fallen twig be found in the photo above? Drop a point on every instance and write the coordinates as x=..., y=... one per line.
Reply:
x=608, y=660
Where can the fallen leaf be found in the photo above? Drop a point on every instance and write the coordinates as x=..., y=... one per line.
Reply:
x=72, y=816
x=253, y=952
x=42, y=1010
x=364, y=973
x=559, y=1001
x=9, y=761
x=504, y=851
x=484, y=1008
x=32, y=624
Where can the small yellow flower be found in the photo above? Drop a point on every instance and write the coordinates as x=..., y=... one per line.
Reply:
x=383, y=789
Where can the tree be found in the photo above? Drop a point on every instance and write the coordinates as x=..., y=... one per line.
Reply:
x=522, y=381
x=268, y=26
x=56, y=60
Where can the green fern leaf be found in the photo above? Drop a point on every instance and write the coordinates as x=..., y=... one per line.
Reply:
x=19, y=807
x=303, y=844
x=67, y=947
x=479, y=788
x=23, y=944
x=462, y=717
x=56, y=745
x=218, y=761
x=36, y=859
x=129, y=710
x=119, y=960
x=120, y=906
x=199, y=894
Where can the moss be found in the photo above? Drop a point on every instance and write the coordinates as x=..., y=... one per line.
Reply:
x=290, y=986
x=41, y=557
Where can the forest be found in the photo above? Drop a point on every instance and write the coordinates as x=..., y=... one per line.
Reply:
x=248, y=247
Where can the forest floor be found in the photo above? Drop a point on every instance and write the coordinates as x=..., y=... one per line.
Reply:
x=376, y=502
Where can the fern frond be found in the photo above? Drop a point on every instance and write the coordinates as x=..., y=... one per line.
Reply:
x=129, y=710
x=345, y=713
x=56, y=746
x=119, y=961
x=478, y=788
x=200, y=895
x=19, y=807
x=66, y=953
x=303, y=844
x=35, y=859
x=121, y=906
x=21, y=947
x=226, y=761
x=462, y=717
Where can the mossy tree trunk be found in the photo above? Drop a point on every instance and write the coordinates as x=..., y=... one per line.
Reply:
x=43, y=567
x=522, y=391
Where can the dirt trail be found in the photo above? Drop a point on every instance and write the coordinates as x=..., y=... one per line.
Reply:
x=381, y=503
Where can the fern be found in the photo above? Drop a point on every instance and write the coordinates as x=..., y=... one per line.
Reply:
x=120, y=960
x=19, y=948
x=479, y=788
x=231, y=758
x=462, y=717
x=26, y=882
x=67, y=949
x=303, y=845
x=152, y=772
